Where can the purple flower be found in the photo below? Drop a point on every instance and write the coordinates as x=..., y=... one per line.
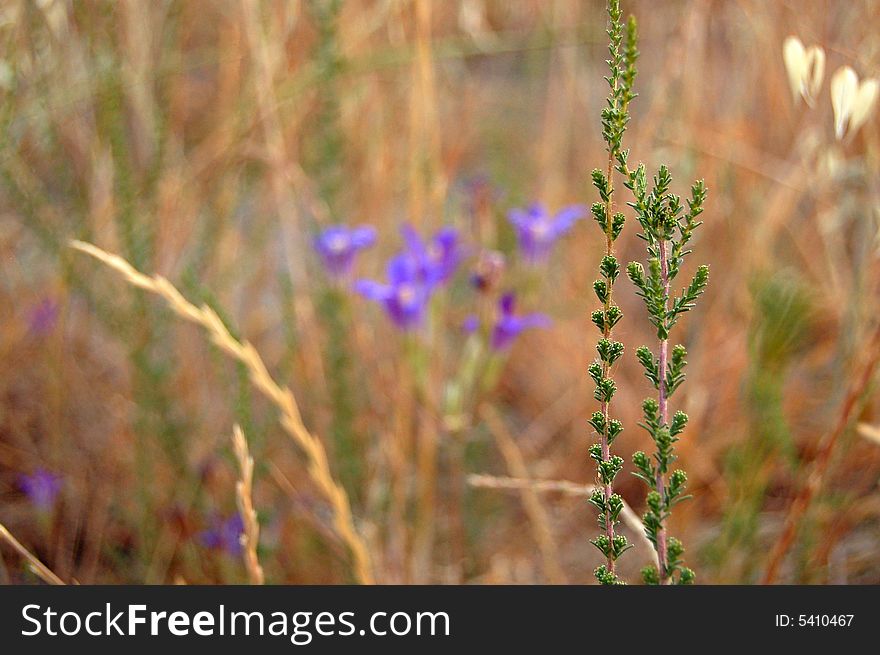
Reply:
x=42, y=317
x=470, y=324
x=537, y=230
x=338, y=245
x=508, y=326
x=436, y=260
x=41, y=488
x=404, y=297
x=224, y=534
x=413, y=275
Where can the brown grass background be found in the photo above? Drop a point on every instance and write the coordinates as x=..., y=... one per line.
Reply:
x=208, y=140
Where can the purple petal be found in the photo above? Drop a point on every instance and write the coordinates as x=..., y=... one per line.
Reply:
x=518, y=217
x=567, y=217
x=224, y=534
x=471, y=324
x=537, y=210
x=43, y=317
x=210, y=538
x=507, y=304
x=372, y=290
x=402, y=268
x=41, y=488
x=335, y=249
x=534, y=232
x=535, y=321
x=337, y=246
x=503, y=335
x=233, y=528
x=406, y=305
x=325, y=240
x=443, y=257
x=413, y=241
x=363, y=237
x=447, y=238
x=508, y=327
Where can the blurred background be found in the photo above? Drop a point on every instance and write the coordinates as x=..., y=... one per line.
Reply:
x=211, y=141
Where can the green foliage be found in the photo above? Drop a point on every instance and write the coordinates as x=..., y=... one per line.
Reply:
x=605, y=577
x=609, y=268
x=326, y=146
x=609, y=351
x=606, y=319
x=599, y=210
x=622, y=73
x=334, y=313
x=605, y=389
x=660, y=216
x=621, y=64
x=667, y=229
x=650, y=363
x=675, y=369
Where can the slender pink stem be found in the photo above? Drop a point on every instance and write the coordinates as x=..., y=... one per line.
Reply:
x=606, y=455
x=664, y=415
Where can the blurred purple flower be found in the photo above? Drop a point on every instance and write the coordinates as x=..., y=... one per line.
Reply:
x=413, y=275
x=41, y=488
x=508, y=326
x=404, y=297
x=537, y=230
x=471, y=324
x=224, y=534
x=338, y=245
x=42, y=317
x=436, y=260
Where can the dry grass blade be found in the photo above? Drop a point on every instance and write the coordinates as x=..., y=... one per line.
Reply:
x=244, y=500
x=869, y=432
x=483, y=481
x=282, y=397
x=41, y=570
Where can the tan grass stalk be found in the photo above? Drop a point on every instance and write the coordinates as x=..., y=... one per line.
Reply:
x=869, y=432
x=41, y=570
x=425, y=524
x=282, y=397
x=538, y=517
x=244, y=500
x=483, y=481
x=427, y=183
x=267, y=53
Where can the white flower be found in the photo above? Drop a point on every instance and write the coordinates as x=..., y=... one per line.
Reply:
x=805, y=68
x=864, y=105
x=851, y=101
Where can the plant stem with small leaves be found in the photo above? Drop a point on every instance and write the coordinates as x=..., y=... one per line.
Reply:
x=663, y=402
x=621, y=66
x=667, y=228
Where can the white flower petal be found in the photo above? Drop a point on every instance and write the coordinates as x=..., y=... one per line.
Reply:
x=794, y=56
x=865, y=100
x=844, y=88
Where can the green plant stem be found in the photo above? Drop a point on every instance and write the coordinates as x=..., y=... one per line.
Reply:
x=606, y=405
x=662, y=553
